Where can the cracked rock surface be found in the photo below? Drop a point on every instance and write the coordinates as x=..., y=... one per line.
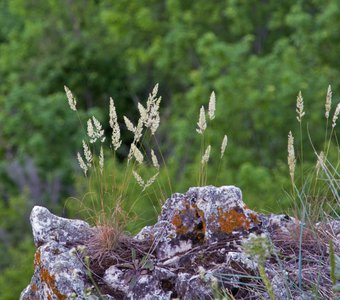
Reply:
x=195, y=251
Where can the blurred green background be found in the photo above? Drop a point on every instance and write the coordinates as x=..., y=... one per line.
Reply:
x=256, y=56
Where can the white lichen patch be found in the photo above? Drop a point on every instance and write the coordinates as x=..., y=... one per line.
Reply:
x=114, y=278
x=168, y=250
x=241, y=258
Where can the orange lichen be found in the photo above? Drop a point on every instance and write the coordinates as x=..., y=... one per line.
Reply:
x=37, y=259
x=254, y=218
x=46, y=277
x=190, y=214
x=231, y=220
x=177, y=221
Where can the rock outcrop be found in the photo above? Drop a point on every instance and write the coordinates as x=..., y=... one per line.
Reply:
x=196, y=250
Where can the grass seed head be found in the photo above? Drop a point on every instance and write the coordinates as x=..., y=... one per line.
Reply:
x=224, y=145
x=151, y=181
x=82, y=164
x=138, y=131
x=328, y=103
x=129, y=124
x=137, y=154
x=212, y=106
x=202, y=124
x=205, y=157
x=299, y=107
x=139, y=179
x=72, y=101
x=88, y=154
x=151, y=117
x=116, y=141
x=154, y=160
x=336, y=114
x=94, y=130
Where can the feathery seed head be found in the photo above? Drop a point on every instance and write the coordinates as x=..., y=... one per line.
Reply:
x=224, y=145
x=139, y=179
x=154, y=160
x=82, y=164
x=90, y=129
x=212, y=106
x=129, y=124
x=151, y=181
x=155, y=90
x=328, y=103
x=116, y=142
x=138, y=131
x=142, y=183
x=142, y=112
x=137, y=154
x=205, y=157
x=299, y=107
x=336, y=114
x=87, y=153
x=202, y=124
x=94, y=130
x=72, y=101
x=150, y=115
x=291, y=156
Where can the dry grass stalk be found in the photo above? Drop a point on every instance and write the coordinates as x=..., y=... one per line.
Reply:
x=320, y=162
x=291, y=156
x=101, y=160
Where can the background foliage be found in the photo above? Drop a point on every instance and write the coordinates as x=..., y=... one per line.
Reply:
x=256, y=56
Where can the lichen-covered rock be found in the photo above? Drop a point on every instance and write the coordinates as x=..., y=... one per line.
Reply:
x=202, y=215
x=195, y=251
x=47, y=227
x=59, y=273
